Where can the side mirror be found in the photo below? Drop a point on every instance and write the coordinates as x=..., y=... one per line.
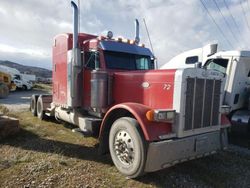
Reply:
x=152, y=63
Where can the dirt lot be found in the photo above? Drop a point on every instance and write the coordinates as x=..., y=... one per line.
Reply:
x=20, y=100
x=48, y=154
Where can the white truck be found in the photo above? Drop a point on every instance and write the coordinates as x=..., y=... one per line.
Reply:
x=17, y=78
x=236, y=67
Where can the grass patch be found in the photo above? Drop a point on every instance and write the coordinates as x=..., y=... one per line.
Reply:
x=4, y=110
x=48, y=154
x=42, y=87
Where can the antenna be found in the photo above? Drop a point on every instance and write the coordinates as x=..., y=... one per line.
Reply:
x=151, y=46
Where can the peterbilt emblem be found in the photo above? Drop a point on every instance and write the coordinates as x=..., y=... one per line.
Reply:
x=167, y=86
x=215, y=73
x=205, y=73
x=145, y=85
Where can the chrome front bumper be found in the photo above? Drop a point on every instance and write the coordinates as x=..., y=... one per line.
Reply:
x=170, y=152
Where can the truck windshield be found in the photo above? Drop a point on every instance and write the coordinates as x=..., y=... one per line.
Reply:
x=217, y=64
x=125, y=61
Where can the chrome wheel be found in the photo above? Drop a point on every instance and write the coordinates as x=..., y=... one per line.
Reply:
x=124, y=147
x=127, y=147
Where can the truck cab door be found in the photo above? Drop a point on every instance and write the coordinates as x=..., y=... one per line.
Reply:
x=239, y=83
x=90, y=63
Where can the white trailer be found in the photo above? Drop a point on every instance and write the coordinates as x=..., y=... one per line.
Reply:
x=29, y=77
x=236, y=67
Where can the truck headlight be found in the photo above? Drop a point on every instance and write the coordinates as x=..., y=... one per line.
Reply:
x=225, y=109
x=161, y=115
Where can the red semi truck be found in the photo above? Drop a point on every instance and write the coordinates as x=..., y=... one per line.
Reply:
x=147, y=119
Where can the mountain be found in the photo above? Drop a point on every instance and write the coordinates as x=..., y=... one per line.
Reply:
x=39, y=72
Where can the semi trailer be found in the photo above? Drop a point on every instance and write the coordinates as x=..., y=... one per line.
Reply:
x=146, y=119
x=235, y=65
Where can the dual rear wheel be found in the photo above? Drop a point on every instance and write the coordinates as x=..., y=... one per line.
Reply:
x=36, y=107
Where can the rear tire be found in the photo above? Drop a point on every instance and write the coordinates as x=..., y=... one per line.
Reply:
x=39, y=109
x=127, y=147
x=33, y=105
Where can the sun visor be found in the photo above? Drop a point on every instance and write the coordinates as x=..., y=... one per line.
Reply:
x=125, y=48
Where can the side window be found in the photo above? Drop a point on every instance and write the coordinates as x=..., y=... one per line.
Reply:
x=191, y=60
x=142, y=64
x=17, y=77
x=6, y=79
x=89, y=60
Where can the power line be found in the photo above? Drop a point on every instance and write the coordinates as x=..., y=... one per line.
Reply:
x=223, y=34
x=148, y=35
x=228, y=25
x=236, y=25
x=244, y=15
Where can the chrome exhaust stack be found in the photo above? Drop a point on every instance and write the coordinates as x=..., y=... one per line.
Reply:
x=74, y=67
x=137, y=37
x=75, y=24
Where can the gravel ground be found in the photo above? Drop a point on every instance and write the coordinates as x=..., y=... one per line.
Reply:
x=48, y=154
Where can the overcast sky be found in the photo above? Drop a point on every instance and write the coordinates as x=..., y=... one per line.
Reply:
x=27, y=27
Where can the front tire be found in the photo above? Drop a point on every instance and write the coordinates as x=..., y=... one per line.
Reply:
x=127, y=147
x=24, y=87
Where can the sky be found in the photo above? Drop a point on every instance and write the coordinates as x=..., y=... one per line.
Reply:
x=27, y=27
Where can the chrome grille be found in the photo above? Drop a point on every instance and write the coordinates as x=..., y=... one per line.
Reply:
x=200, y=111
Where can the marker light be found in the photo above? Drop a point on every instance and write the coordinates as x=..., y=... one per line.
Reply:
x=125, y=40
x=131, y=42
x=142, y=45
x=118, y=39
x=161, y=115
x=150, y=115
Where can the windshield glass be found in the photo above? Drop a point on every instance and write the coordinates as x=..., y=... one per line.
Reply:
x=218, y=64
x=125, y=61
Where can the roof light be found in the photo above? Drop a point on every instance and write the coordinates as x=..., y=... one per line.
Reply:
x=131, y=42
x=125, y=40
x=118, y=39
x=142, y=45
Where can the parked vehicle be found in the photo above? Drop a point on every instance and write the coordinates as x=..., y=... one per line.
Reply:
x=235, y=65
x=6, y=85
x=147, y=119
x=17, y=78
